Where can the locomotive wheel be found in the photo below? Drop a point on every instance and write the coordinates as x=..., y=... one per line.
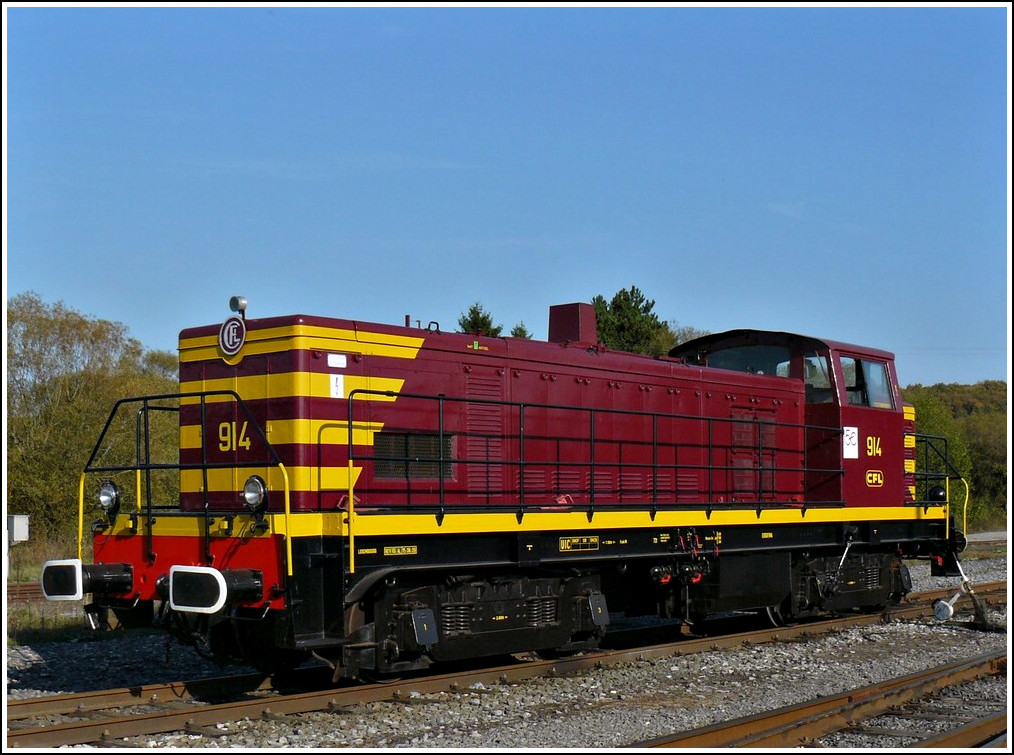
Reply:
x=278, y=661
x=779, y=615
x=369, y=676
x=695, y=623
x=774, y=614
x=553, y=654
x=253, y=647
x=873, y=608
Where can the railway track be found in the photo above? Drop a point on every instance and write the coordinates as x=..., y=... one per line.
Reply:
x=112, y=716
x=23, y=592
x=908, y=697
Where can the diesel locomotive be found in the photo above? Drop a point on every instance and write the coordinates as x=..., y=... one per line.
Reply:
x=384, y=498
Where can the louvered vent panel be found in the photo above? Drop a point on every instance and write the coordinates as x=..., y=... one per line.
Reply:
x=484, y=443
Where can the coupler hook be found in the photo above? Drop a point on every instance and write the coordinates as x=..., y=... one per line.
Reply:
x=944, y=609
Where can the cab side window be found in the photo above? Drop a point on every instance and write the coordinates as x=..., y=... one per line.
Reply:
x=817, y=377
x=878, y=385
x=867, y=383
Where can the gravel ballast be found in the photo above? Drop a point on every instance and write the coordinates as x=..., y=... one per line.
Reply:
x=609, y=707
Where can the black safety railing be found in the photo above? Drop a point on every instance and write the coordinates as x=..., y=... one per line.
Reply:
x=164, y=496
x=547, y=455
x=933, y=468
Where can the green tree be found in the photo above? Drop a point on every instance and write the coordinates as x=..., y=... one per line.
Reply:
x=478, y=322
x=520, y=331
x=627, y=323
x=987, y=435
x=64, y=372
x=965, y=400
x=979, y=423
x=672, y=334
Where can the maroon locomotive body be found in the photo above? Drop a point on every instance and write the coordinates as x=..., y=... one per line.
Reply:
x=386, y=497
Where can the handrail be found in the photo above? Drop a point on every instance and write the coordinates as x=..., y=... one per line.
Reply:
x=351, y=510
x=80, y=517
x=288, y=513
x=144, y=465
x=766, y=485
x=964, y=510
x=950, y=472
x=522, y=415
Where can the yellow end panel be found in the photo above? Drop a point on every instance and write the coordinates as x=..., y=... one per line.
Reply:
x=251, y=387
x=909, y=441
x=910, y=413
x=286, y=384
x=909, y=466
x=272, y=340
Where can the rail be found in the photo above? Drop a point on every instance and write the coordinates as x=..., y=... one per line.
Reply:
x=177, y=716
x=805, y=723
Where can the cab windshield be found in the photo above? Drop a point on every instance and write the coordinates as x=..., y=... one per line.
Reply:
x=817, y=377
x=766, y=359
x=757, y=359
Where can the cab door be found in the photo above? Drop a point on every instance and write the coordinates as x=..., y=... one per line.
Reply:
x=872, y=421
x=823, y=473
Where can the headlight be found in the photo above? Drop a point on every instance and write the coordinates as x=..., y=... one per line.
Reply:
x=109, y=498
x=255, y=494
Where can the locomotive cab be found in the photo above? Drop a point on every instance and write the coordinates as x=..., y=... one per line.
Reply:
x=847, y=388
x=861, y=456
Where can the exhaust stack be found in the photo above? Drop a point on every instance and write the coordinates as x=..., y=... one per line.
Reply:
x=573, y=323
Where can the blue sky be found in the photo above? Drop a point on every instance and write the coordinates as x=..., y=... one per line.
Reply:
x=835, y=171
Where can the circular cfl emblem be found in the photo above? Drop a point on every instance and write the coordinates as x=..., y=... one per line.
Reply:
x=231, y=336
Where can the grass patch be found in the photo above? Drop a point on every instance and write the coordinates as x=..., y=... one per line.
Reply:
x=47, y=621
x=984, y=550
x=25, y=560
x=44, y=620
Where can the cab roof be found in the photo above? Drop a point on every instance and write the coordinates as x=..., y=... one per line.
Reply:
x=695, y=351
